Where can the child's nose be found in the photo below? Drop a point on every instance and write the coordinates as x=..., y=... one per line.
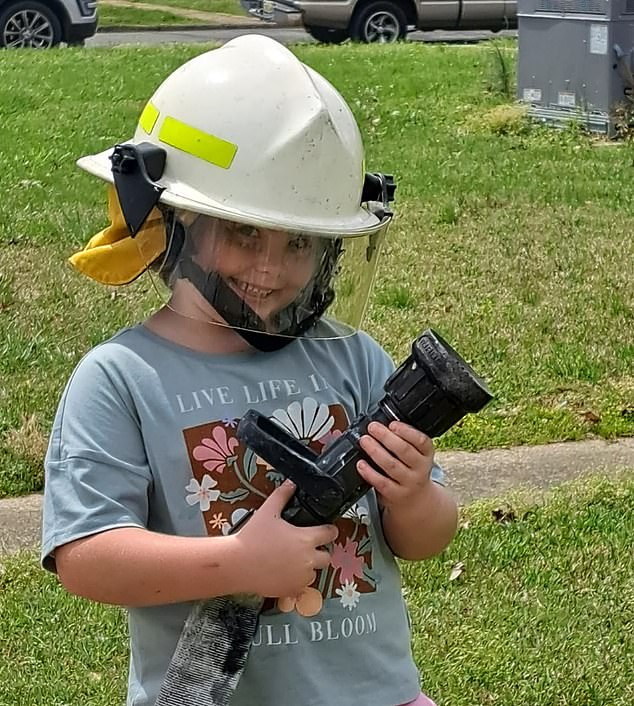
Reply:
x=274, y=258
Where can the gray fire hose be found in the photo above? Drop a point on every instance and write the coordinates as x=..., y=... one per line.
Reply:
x=211, y=653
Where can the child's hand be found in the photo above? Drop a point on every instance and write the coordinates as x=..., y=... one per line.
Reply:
x=404, y=454
x=279, y=558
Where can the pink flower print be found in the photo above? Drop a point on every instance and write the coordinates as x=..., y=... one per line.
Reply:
x=217, y=451
x=346, y=559
x=330, y=436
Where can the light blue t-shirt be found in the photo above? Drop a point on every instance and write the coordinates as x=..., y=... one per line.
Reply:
x=145, y=437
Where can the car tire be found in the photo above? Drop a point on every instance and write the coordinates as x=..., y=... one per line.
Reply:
x=379, y=22
x=29, y=24
x=327, y=35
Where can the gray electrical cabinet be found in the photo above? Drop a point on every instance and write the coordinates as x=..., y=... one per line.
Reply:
x=575, y=60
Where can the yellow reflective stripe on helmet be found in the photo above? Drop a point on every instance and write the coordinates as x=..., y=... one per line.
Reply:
x=148, y=118
x=197, y=143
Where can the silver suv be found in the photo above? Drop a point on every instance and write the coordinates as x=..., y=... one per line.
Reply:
x=45, y=23
x=334, y=21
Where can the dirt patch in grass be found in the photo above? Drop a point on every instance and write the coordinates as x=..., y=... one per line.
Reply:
x=28, y=440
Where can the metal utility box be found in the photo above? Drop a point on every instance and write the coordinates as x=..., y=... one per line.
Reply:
x=575, y=59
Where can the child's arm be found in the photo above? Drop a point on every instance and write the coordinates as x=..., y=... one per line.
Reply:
x=132, y=566
x=419, y=516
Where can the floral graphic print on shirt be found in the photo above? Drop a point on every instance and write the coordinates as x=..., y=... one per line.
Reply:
x=230, y=479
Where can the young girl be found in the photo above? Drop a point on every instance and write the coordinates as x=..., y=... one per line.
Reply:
x=244, y=188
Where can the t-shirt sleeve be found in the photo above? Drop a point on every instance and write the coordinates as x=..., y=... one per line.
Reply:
x=378, y=368
x=97, y=475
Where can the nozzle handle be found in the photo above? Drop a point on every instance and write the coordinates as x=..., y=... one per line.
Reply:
x=287, y=455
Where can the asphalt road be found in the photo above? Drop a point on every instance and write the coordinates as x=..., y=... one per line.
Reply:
x=289, y=35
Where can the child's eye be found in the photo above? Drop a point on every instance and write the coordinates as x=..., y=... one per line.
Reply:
x=248, y=231
x=245, y=236
x=300, y=243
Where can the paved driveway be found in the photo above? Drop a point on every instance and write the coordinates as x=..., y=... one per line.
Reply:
x=290, y=35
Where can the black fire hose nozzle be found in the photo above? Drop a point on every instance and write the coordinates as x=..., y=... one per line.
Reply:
x=431, y=390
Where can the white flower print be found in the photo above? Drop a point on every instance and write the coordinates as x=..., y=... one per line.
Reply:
x=236, y=516
x=359, y=513
x=202, y=493
x=349, y=595
x=306, y=421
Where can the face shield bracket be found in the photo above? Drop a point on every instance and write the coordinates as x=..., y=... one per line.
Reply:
x=379, y=188
x=135, y=169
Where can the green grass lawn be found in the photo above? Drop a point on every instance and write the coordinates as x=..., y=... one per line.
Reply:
x=541, y=615
x=227, y=7
x=135, y=17
x=115, y=16
x=512, y=240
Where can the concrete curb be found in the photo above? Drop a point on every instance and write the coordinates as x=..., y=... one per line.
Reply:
x=495, y=472
x=472, y=476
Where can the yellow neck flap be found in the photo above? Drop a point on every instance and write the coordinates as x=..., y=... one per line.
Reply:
x=113, y=256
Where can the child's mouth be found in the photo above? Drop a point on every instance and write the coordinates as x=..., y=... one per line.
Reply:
x=251, y=290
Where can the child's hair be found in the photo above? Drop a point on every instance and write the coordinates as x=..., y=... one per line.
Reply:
x=165, y=263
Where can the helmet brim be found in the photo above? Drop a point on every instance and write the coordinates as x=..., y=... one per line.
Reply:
x=180, y=195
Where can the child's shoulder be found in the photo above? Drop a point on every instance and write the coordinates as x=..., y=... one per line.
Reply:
x=120, y=356
x=357, y=347
x=331, y=330
x=125, y=343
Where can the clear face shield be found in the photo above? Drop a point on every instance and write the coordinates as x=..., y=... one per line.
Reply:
x=269, y=283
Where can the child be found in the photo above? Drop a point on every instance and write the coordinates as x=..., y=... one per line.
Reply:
x=243, y=188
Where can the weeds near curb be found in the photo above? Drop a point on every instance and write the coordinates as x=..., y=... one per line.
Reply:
x=623, y=120
x=503, y=75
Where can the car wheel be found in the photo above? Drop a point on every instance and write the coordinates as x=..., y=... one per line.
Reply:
x=379, y=22
x=327, y=35
x=29, y=24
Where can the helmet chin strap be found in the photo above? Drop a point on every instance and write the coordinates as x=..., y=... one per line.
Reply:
x=239, y=315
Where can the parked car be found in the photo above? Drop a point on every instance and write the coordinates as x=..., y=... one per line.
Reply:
x=45, y=23
x=383, y=21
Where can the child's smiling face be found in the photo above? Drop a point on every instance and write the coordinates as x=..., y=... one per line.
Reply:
x=266, y=268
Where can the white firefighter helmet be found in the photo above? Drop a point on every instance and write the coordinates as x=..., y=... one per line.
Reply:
x=253, y=135
x=248, y=135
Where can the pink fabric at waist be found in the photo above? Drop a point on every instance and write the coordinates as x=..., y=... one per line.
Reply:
x=422, y=700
